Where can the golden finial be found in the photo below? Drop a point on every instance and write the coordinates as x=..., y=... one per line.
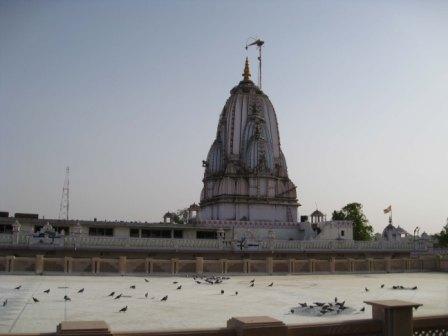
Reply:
x=246, y=73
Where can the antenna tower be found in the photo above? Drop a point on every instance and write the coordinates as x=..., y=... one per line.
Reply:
x=258, y=43
x=65, y=200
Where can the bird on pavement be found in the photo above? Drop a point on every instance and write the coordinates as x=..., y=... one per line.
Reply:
x=303, y=305
x=146, y=280
x=362, y=309
x=236, y=293
x=66, y=298
x=164, y=298
x=222, y=291
x=81, y=290
x=198, y=282
x=5, y=303
x=179, y=287
x=174, y=282
x=271, y=284
x=18, y=287
x=252, y=284
x=112, y=294
x=124, y=309
x=382, y=286
x=366, y=289
x=146, y=295
x=47, y=291
x=35, y=300
x=118, y=296
x=132, y=287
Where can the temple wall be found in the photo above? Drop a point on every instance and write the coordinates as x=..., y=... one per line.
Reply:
x=199, y=265
x=121, y=231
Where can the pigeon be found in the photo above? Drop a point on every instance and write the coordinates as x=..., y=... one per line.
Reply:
x=180, y=287
x=146, y=295
x=320, y=304
x=81, y=290
x=198, y=282
x=124, y=309
x=222, y=291
x=112, y=294
x=366, y=289
x=66, y=298
x=362, y=309
x=47, y=291
x=146, y=280
x=174, y=282
x=118, y=296
x=236, y=293
x=252, y=284
x=382, y=286
x=18, y=287
x=335, y=300
x=252, y=281
x=303, y=305
x=414, y=288
x=5, y=303
x=271, y=284
x=132, y=287
x=35, y=300
x=164, y=298
x=292, y=311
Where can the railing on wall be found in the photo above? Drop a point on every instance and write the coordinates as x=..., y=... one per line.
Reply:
x=81, y=241
x=389, y=318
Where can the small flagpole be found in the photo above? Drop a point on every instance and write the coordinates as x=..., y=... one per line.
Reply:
x=390, y=216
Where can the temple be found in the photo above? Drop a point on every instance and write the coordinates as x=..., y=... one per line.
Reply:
x=246, y=177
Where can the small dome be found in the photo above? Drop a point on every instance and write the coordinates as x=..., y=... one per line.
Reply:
x=317, y=213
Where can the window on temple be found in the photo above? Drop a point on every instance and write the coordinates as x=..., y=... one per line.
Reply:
x=154, y=233
x=134, y=233
x=5, y=228
x=109, y=232
x=178, y=234
x=206, y=235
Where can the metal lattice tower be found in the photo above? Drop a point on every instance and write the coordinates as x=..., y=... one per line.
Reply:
x=65, y=200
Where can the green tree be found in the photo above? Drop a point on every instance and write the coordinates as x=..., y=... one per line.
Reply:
x=442, y=237
x=180, y=216
x=353, y=212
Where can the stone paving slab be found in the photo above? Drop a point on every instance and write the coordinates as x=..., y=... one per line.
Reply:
x=202, y=306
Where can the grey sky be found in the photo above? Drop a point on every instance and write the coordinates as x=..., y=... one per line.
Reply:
x=128, y=94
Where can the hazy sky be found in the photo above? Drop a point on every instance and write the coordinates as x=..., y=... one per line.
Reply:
x=128, y=94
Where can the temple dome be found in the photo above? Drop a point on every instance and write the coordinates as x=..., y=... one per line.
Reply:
x=245, y=163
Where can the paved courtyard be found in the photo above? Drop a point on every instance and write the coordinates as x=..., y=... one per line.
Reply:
x=203, y=305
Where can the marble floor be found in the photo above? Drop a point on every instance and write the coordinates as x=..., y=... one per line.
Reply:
x=202, y=305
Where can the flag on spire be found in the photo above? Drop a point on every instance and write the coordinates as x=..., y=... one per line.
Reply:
x=388, y=209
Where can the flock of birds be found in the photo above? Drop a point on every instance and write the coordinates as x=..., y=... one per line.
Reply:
x=336, y=307
x=315, y=308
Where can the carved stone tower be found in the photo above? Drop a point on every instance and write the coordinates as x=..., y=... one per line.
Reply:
x=246, y=177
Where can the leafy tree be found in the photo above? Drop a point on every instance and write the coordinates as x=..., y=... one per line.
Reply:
x=353, y=212
x=180, y=216
x=442, y=237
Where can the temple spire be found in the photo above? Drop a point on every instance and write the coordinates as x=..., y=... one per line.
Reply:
x=246, y=73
